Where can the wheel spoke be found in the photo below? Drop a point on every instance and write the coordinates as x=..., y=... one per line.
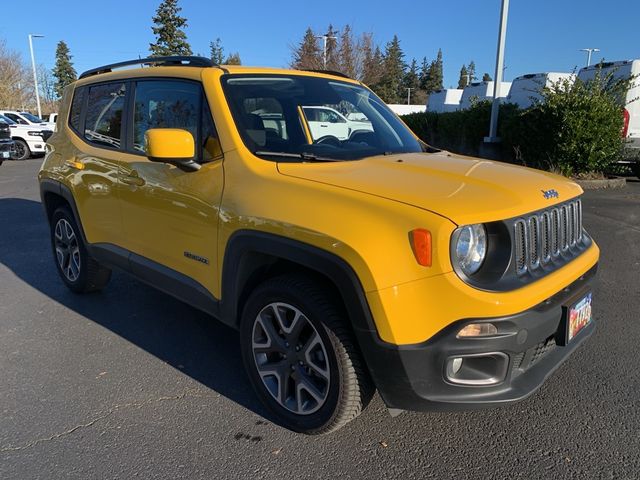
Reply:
x=275, y=341
x=279, y=371
x=303, y=383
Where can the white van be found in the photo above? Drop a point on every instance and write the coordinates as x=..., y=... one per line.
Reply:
x=525, y=90
x=481, y=91
x=446, y=100
x=623, y=70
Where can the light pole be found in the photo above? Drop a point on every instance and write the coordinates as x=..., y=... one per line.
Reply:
x=497, y=84
x=409, y=95
x=324, y=47
x=589, y=52
x=35, y=75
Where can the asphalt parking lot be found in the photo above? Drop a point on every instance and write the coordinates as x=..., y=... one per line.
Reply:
x=130, y=383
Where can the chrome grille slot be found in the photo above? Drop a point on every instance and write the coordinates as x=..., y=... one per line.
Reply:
x=521, y=246
x=534, y=247
x=547, y=236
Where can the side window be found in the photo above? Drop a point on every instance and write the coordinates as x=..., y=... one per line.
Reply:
x=165, y=104
x=16, y=118
x=103, y=123
x=76, y=108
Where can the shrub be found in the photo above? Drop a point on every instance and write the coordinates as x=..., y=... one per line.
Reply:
x=573, y=130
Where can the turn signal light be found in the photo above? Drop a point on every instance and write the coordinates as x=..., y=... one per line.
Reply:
x=421, y=245
x=478, y=330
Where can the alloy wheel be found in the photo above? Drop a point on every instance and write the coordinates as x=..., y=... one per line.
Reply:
x=291, y=358
x=67, y=250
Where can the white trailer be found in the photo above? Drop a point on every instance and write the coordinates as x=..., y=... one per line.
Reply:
x=481, y=91
x=526, y=89
x=446, y=100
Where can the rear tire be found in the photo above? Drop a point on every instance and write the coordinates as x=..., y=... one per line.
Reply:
x=20, y=150
x=300, y=356
x=78, y=269
x=636, y=168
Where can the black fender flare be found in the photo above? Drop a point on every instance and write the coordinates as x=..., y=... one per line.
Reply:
x=49, y=186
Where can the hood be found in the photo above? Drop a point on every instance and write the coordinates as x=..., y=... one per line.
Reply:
x=465, y=190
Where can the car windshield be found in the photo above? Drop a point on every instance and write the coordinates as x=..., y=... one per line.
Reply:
x=6, y=120
x=304, y=118
x=32, y=118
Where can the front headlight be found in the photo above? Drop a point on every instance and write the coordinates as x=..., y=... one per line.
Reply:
x=470, y=248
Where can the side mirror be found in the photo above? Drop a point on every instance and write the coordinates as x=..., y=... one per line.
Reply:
x=171, y=145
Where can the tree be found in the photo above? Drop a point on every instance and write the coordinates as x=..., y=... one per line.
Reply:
x=333, y=54
x=233, y=59
x=371, y=70
x=393, y=72
x=435, y=79
x=170, y=36
x=424, y=74
x=471, y=70
x=16, y=81
x=412, y=80
x=49, y=97
x=307, y=56
x=463, y=81
x=63, y=69
x=347, y=53
x=216, y=51
x=486, y=78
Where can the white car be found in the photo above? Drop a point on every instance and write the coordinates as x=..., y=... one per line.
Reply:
x=325, y=121
x=29, y=140
x=25, y=118
x=527, y=89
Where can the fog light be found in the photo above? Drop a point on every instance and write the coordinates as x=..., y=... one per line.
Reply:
x=478, y=330
x=456, y=363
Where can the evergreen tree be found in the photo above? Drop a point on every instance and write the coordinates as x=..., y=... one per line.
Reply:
x=424, y=74
x=63, y=69
x=471, y=70
x=486, y=77
x=217, y=51
x=371, y=71
x=170, y=36
x=393, y=72
x=307, y=56
x=463, y=81
x=412, y=80
x=348, y=61
x=233, y=59
x=436, y=81
x=333, y=54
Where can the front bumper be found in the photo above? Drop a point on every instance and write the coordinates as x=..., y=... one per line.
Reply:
x=412, y=377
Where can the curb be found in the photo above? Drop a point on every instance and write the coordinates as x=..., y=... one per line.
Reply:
x=617, y=182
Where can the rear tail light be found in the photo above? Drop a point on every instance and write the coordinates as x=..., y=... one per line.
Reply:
x=625, y=124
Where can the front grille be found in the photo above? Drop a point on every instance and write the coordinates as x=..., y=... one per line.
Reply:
x=5, y=131
x=523, y=361
x=543, y=237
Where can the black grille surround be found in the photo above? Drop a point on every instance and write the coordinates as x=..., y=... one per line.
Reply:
x=523, y=249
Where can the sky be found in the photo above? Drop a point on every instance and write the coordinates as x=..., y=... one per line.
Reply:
x=542, y=35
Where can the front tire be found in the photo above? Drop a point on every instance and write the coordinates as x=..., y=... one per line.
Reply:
x=20, y=150
x=78, y=269
x=300, y=356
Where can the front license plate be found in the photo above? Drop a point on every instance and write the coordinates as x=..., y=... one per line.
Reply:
x=579, y=316
x=5, y=154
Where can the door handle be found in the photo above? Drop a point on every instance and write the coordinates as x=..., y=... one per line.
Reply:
x=133, y=179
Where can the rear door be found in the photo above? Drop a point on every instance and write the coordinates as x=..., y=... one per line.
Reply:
x=95, y=119
x=170, y=217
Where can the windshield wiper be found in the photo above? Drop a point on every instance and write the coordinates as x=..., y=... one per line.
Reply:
x=304, y=156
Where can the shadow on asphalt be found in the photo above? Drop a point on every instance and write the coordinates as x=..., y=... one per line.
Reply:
x=174, y=332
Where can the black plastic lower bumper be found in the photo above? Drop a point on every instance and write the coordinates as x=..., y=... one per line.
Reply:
x=413, y=377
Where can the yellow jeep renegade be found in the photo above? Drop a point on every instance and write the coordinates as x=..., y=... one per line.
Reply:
x=297, y=208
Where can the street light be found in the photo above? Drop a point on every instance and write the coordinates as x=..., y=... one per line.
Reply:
x=324, y=47
x=35, y=75
x=589, y=52
x=409, y=95
x=497, y=84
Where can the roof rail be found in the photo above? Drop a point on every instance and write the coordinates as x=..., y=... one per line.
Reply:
x=175, y=60
x=327, y=72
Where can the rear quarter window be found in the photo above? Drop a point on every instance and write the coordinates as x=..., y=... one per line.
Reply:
x=75, y=112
